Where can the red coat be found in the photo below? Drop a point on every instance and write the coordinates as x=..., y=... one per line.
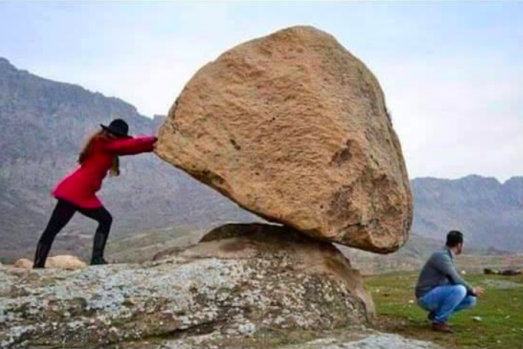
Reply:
x=80, y=186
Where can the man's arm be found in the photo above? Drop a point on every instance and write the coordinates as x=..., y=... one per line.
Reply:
x=444, y=265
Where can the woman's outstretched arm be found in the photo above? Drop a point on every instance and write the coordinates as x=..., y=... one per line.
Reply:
x=131, y=146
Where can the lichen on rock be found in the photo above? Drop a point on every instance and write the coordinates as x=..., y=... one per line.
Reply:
x=262, y=277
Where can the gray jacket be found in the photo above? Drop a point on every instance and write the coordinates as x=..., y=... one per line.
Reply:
x=439, y=271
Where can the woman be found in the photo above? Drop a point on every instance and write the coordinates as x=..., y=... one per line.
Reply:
x=76, y=192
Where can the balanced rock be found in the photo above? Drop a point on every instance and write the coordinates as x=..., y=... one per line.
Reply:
x=294, y=128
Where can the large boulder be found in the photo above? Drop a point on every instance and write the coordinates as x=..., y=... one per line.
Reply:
x=242, y=280
x=294, y=128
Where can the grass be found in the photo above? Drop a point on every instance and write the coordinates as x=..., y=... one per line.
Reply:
x=500, y=309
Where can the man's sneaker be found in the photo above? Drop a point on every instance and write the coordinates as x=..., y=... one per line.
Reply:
x=441, y=327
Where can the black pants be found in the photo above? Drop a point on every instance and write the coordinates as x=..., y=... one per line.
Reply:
x=62, y=214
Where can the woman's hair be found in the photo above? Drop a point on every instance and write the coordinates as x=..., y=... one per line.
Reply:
x=86, y=150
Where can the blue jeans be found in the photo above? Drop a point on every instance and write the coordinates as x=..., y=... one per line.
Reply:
x=444, y=301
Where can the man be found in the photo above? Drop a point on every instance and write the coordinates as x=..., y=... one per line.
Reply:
x=440, y=289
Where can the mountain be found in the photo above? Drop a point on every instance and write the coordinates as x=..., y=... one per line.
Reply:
x=488, y=212
x=43, y=125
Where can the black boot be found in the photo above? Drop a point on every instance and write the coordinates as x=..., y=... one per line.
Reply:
x=98, y=249
x=42, y=251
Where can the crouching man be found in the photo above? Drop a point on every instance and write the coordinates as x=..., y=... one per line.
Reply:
x=440, y=289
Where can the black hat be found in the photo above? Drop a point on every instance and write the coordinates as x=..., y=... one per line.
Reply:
x=118, y=127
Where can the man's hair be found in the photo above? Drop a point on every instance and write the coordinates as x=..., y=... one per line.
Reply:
x=454, y=238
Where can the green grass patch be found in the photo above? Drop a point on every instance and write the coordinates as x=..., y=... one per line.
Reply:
x=500, y=310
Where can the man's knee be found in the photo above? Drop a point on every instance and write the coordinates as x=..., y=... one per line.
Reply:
x=460, y=290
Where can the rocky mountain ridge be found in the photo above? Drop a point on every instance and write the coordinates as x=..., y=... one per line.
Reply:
x=489, y=213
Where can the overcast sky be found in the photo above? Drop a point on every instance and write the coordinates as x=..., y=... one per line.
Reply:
x=452, y=72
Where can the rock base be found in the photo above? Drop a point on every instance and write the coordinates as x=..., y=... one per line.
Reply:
x=241, y=280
